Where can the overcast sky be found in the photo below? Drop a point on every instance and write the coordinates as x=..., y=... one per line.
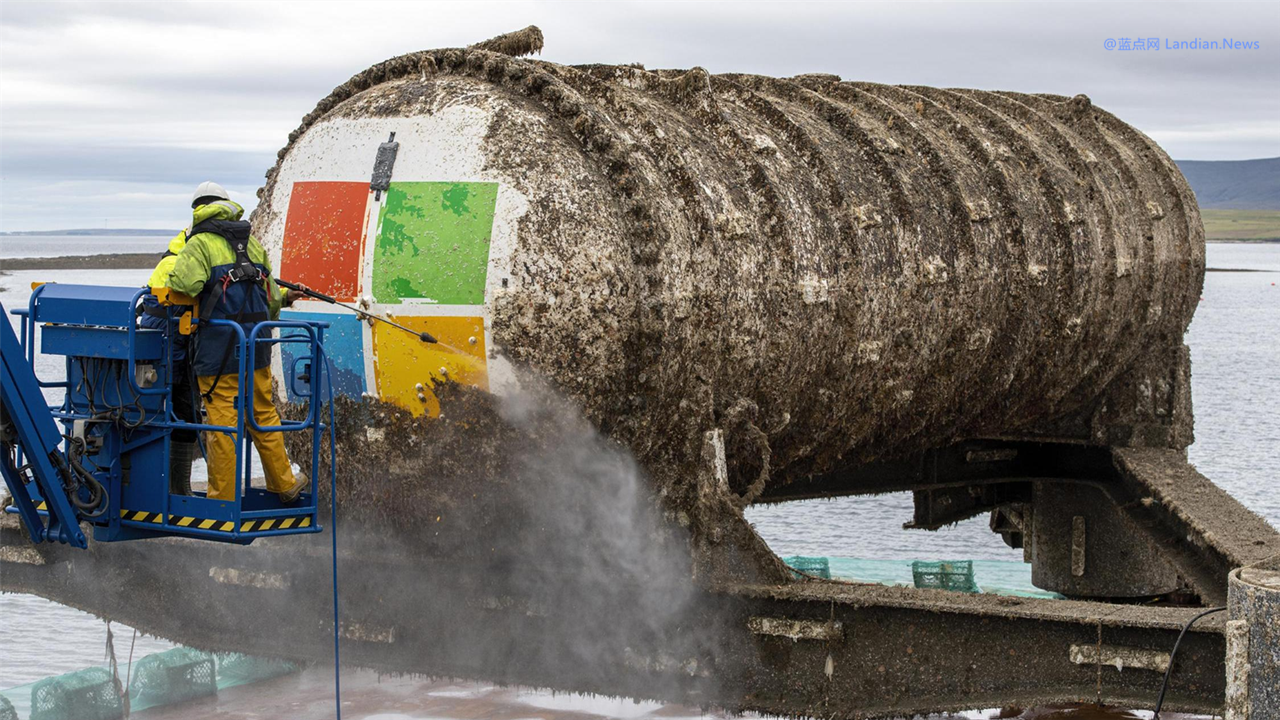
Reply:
x=111, y=113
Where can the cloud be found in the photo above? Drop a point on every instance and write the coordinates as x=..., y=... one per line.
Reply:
x=163, y=92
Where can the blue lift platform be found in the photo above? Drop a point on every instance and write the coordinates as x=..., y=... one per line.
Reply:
x=101, y=457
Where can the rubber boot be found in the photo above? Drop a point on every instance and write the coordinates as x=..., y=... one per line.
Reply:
x=180, y=456
x=291, y=495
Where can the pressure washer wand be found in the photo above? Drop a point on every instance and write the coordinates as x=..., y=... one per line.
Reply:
x=423, y=336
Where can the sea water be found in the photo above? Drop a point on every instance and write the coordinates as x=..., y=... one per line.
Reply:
x=39, y=246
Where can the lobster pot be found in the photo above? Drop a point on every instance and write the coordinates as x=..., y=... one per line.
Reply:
x=867, y=267
x=954, y=575
x=238, y=669
x=88, y=694
x=172, y=676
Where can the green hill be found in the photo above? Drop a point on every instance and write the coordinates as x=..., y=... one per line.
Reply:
x=1241, y=225
x=1234, y=184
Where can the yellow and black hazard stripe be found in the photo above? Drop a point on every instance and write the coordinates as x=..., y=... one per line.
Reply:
x=142, y=516
x=275, y=524
x=183, y=521
x=178, y=520
x=219, y=525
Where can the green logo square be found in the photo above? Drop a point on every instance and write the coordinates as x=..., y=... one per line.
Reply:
x=433, y=242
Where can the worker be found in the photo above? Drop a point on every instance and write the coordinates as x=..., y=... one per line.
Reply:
x=227, y=271
x=182, y=445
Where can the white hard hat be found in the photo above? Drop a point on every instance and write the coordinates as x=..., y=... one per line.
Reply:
x=209, y=188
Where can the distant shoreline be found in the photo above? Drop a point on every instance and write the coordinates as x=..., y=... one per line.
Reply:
x=109, y=261
x=91, y=232
x=146, y=261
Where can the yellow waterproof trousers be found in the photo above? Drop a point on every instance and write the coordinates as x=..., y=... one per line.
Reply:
x=222, y=447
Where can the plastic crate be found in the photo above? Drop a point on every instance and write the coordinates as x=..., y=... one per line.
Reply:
x=239, y=669
x=954, y=575
x=81, y=695
x=172, y=676
x=6, y=709
x=809, y=566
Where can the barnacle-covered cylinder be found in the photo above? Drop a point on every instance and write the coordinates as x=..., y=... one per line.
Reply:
x=866, y=269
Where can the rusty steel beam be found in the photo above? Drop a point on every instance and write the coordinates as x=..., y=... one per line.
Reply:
x=1144, y=503
x=898, y=651
x=979, y=462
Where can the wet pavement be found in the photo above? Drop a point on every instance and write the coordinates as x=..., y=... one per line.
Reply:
x=366, y=696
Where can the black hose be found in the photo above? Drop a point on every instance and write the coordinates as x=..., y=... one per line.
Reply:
x=1164, y=686
x=96, y=505
x=77, y=477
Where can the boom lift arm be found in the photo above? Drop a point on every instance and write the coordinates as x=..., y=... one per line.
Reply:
x=26, y=425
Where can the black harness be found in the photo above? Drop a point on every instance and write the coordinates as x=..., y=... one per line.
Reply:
x=236, y=235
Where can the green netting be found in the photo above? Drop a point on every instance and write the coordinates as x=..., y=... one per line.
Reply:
x=999, y=577
x=81, y=695
x=239, y=669
x=172, y=676
x=160, y=679
x=954, y=575
x=812, y=566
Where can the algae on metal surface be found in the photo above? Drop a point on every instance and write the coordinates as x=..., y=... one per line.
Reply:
x=831, y=272
x=521, y=42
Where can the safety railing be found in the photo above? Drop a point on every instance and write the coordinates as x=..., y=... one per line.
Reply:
x=308, y=333
x=312, y=335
